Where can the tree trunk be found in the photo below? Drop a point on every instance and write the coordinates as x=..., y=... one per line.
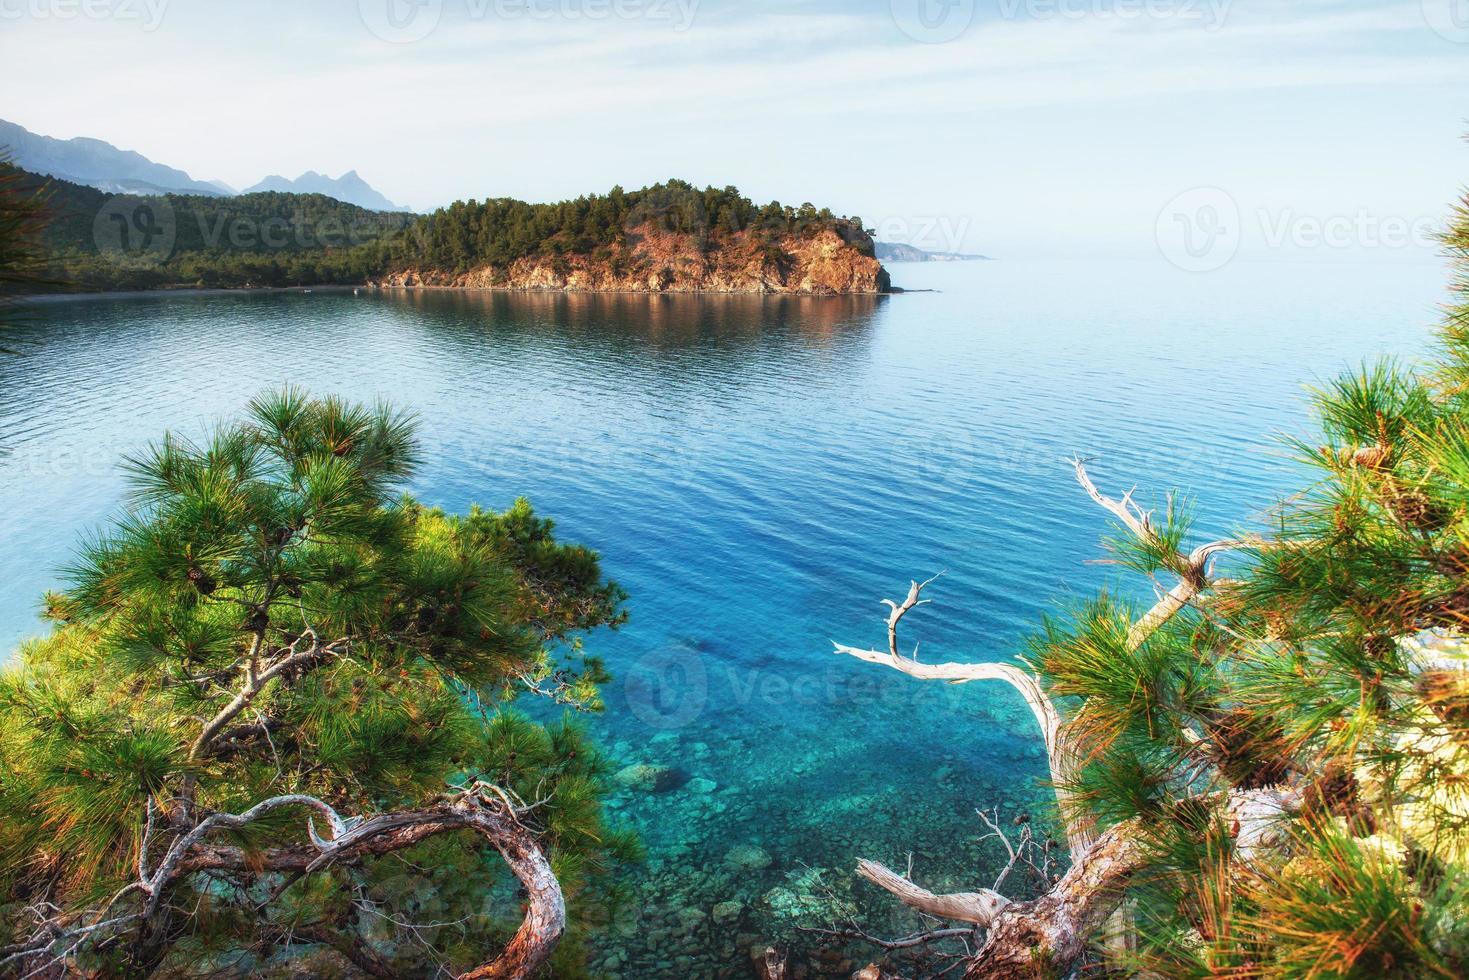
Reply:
x=1033, y=940
x=545, y=914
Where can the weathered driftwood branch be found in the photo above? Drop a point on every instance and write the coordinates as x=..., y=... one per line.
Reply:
x=1194, y=578
x=1046, y=715
x=1193, y=568
x=980, y=908
x=1056, y=927
x=772, y=965
x=1029, y=687
x=907, y=942
x=481, y=808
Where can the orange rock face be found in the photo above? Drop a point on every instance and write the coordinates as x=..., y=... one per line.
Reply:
x=817, y=263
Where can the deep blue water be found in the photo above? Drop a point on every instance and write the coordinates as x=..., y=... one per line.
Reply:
x=758, y=473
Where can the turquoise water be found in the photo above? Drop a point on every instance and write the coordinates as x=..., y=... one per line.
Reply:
x=758, y=473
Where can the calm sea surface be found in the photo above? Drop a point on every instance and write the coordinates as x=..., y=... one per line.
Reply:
x=758, y=473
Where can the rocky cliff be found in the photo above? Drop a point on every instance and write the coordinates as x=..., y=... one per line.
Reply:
x=818, y=263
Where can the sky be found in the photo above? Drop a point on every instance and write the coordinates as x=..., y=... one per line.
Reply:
x=1015, y=128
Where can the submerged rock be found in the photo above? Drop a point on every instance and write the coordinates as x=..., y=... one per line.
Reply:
x=650, y=778
x=747, y=857
x=727, y=912
x=787, y=903
x=690, y=920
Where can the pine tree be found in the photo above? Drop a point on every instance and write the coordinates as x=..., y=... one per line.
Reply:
x=23, y=217
x=1265, y=772
x=274, y=721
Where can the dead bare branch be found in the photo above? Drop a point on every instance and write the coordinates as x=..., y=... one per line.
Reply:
x=60, y=936
x=1029, y=687
x=1194, y=568
x=980, y=908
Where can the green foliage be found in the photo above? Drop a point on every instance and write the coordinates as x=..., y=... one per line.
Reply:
x=1160, y=550
x=277, y=240
x=1349, y=908
x=499, y=231
x=266, y=239
x=1132, y=694
x=1328, y=673
x=279, y=534
x=1453, y=374
x=24, y=212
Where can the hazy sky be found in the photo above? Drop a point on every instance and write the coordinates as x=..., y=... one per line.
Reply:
x=1013, y=127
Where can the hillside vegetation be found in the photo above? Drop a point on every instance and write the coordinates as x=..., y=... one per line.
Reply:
x=100, y=242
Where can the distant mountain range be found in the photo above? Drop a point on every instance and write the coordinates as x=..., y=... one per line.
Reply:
x=898, y=252
x=98, y=164
x=101, y=165
x=349, y=187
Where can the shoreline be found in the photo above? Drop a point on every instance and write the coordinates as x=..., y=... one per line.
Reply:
x=550, y=291
x=46, y=299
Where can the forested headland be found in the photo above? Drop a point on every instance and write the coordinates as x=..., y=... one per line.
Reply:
x=668, y=236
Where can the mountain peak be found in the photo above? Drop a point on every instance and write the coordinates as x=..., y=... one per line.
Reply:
x=84, y=160
x=350, y=188
x=96, y=163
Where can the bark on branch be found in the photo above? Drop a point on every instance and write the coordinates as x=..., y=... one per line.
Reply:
x=1029, y=687
x=1054, y=930
x=481, y=809
x=1057, y=927
x=1194, y=568
x=255, y=682
x=980, y=908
